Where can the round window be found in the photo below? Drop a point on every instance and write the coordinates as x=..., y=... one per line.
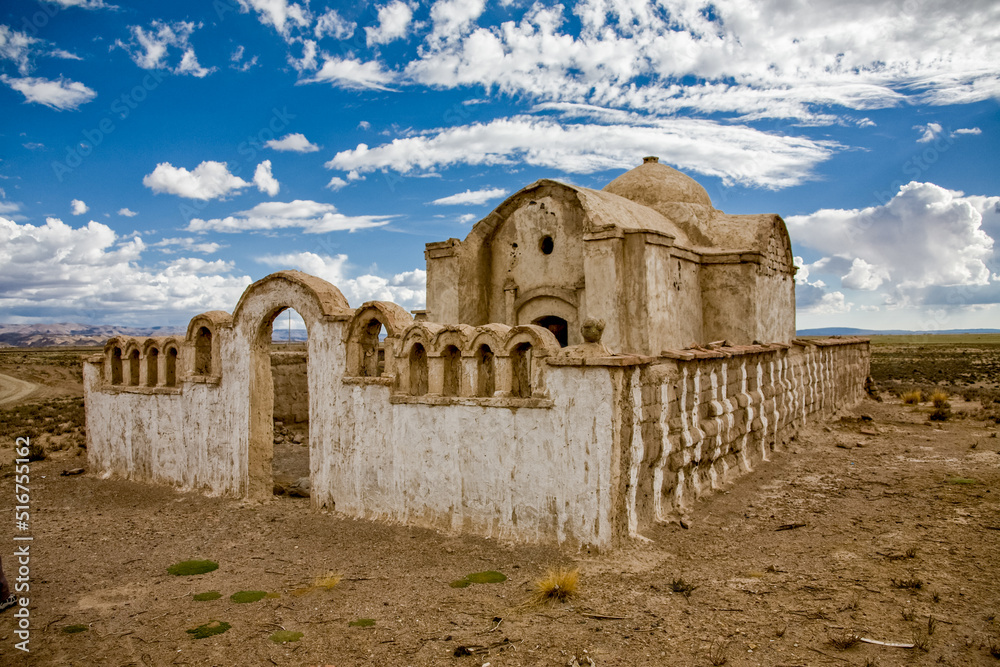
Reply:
x=547, y=245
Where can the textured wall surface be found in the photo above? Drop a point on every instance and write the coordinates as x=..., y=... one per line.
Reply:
x=291, y=388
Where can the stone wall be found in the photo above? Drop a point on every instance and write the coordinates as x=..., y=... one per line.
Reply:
x=291, y=386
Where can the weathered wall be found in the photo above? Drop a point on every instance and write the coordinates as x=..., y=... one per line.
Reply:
x=291, y=386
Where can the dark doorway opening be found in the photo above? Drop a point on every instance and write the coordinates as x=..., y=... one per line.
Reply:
x=557, y=325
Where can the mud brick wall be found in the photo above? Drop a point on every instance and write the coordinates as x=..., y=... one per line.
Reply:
x=291, y=387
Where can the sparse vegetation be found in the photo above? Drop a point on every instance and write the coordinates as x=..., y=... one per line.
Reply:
x=362, y=623
x=940, y=399
x=73, y=629
x=939, y=415
x=680, y=586
x=913, y=397
x=243, y=597
x=285, y=636
x=559, y=585
x=325, y=582
x=207, y=595
x=911, y=583
x=717, y=653
x=191, y=567
x=209, y=629
x=488, y=577
x=843, y=640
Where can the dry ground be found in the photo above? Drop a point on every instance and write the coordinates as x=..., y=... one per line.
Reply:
x=896, y=533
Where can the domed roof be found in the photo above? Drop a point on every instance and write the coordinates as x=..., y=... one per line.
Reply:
x=653, y=184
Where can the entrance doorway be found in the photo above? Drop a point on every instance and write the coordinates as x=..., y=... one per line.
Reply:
x=557, y=325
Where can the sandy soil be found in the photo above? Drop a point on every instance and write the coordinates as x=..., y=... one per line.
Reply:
x=877, y=523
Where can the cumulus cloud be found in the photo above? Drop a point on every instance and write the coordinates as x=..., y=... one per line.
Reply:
x=209, y=180
x=471, y=197
x=352, y=73
x=279, y=14
x=186, y=244
x=60, y=94
x=78, y=207
x=466, y=218
x=310, y=216
x=336, y=183
x=296, y=143
x=393, y=22
x=408, y=289
x=264, y=180
x=334, y=25
x=925, y=236
x=735, y=153
x=150, y=48
x=55, y=270
x=929, y=132
x=307, y=62
x=127, y=212
x=966, y=130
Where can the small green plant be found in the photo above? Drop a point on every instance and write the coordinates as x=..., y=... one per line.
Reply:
x=207, y=595
x=961, y=480
x=913, y=397
x=560, y=585
x=285, y=636
x=911, y=583
x=844, y=640
x=680, y=586
x=242, y=597
x=73, y=629
x=209, y=629
x=190, y=567
x=488, y=577
x=939, y=415
x=362, y=623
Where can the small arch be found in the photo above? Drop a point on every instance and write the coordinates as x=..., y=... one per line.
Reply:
x=133, y=368
x=170, y=368
x=152, y=366
x=116, y=365
x=369, y=348
x=485, y=371
x=452, y=385
x=520, y=359
x=418, y=370
x=203, y=351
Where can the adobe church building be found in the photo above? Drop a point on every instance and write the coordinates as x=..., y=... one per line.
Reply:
x=590, y=363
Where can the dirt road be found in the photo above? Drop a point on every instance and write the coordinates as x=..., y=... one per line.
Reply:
x=14, y=391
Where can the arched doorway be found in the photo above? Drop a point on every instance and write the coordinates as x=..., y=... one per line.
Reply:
x=289, y=357
x=557, y=325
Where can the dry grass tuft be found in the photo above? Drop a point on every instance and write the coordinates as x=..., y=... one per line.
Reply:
x=559, y=585
x=322, y=583
x=913, y=397
x=844, y=640
x=717, y=652
x=940, y=399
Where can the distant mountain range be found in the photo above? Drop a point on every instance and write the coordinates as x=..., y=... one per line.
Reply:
x=848, y=331
x=79, y=335
x=65, y=334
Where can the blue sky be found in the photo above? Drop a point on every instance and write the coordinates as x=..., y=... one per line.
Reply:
x=155, y=158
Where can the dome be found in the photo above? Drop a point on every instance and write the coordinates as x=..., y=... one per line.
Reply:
x=653, y=184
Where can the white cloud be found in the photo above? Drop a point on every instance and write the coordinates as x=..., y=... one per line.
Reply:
x=393, y=22
x=237, y=60
x=353, y=175
x=925, y=236
x=209, y=180
x=352, y=73
x=78, y=207
x=310, y=216
x=466, y=218
x=966, y=130
x=279, y=14
x=16, y=46
x=307, y=62
x=150, y=48
x=264, y=180
x=364, y=125
x=930, y=132
x=451, y=19
x=336, y=183
x=187, y=244
x=127, y=213
x=407, y=289
x=735, y=153
x=61, y=94
x=89, y=273
x=296, y=143
x=83, y=4
x=333, y=24
x=470, y=197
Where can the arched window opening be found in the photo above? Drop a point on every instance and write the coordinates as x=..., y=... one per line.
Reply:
x=485, y=371
x=203, y=352
x=372, y=352
x=557, y=325
x=152, y=366
x=116, y=365
x=452, y=371
x=418, y=370
x=133, y=368
x=521, y=371
x=170, y=372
